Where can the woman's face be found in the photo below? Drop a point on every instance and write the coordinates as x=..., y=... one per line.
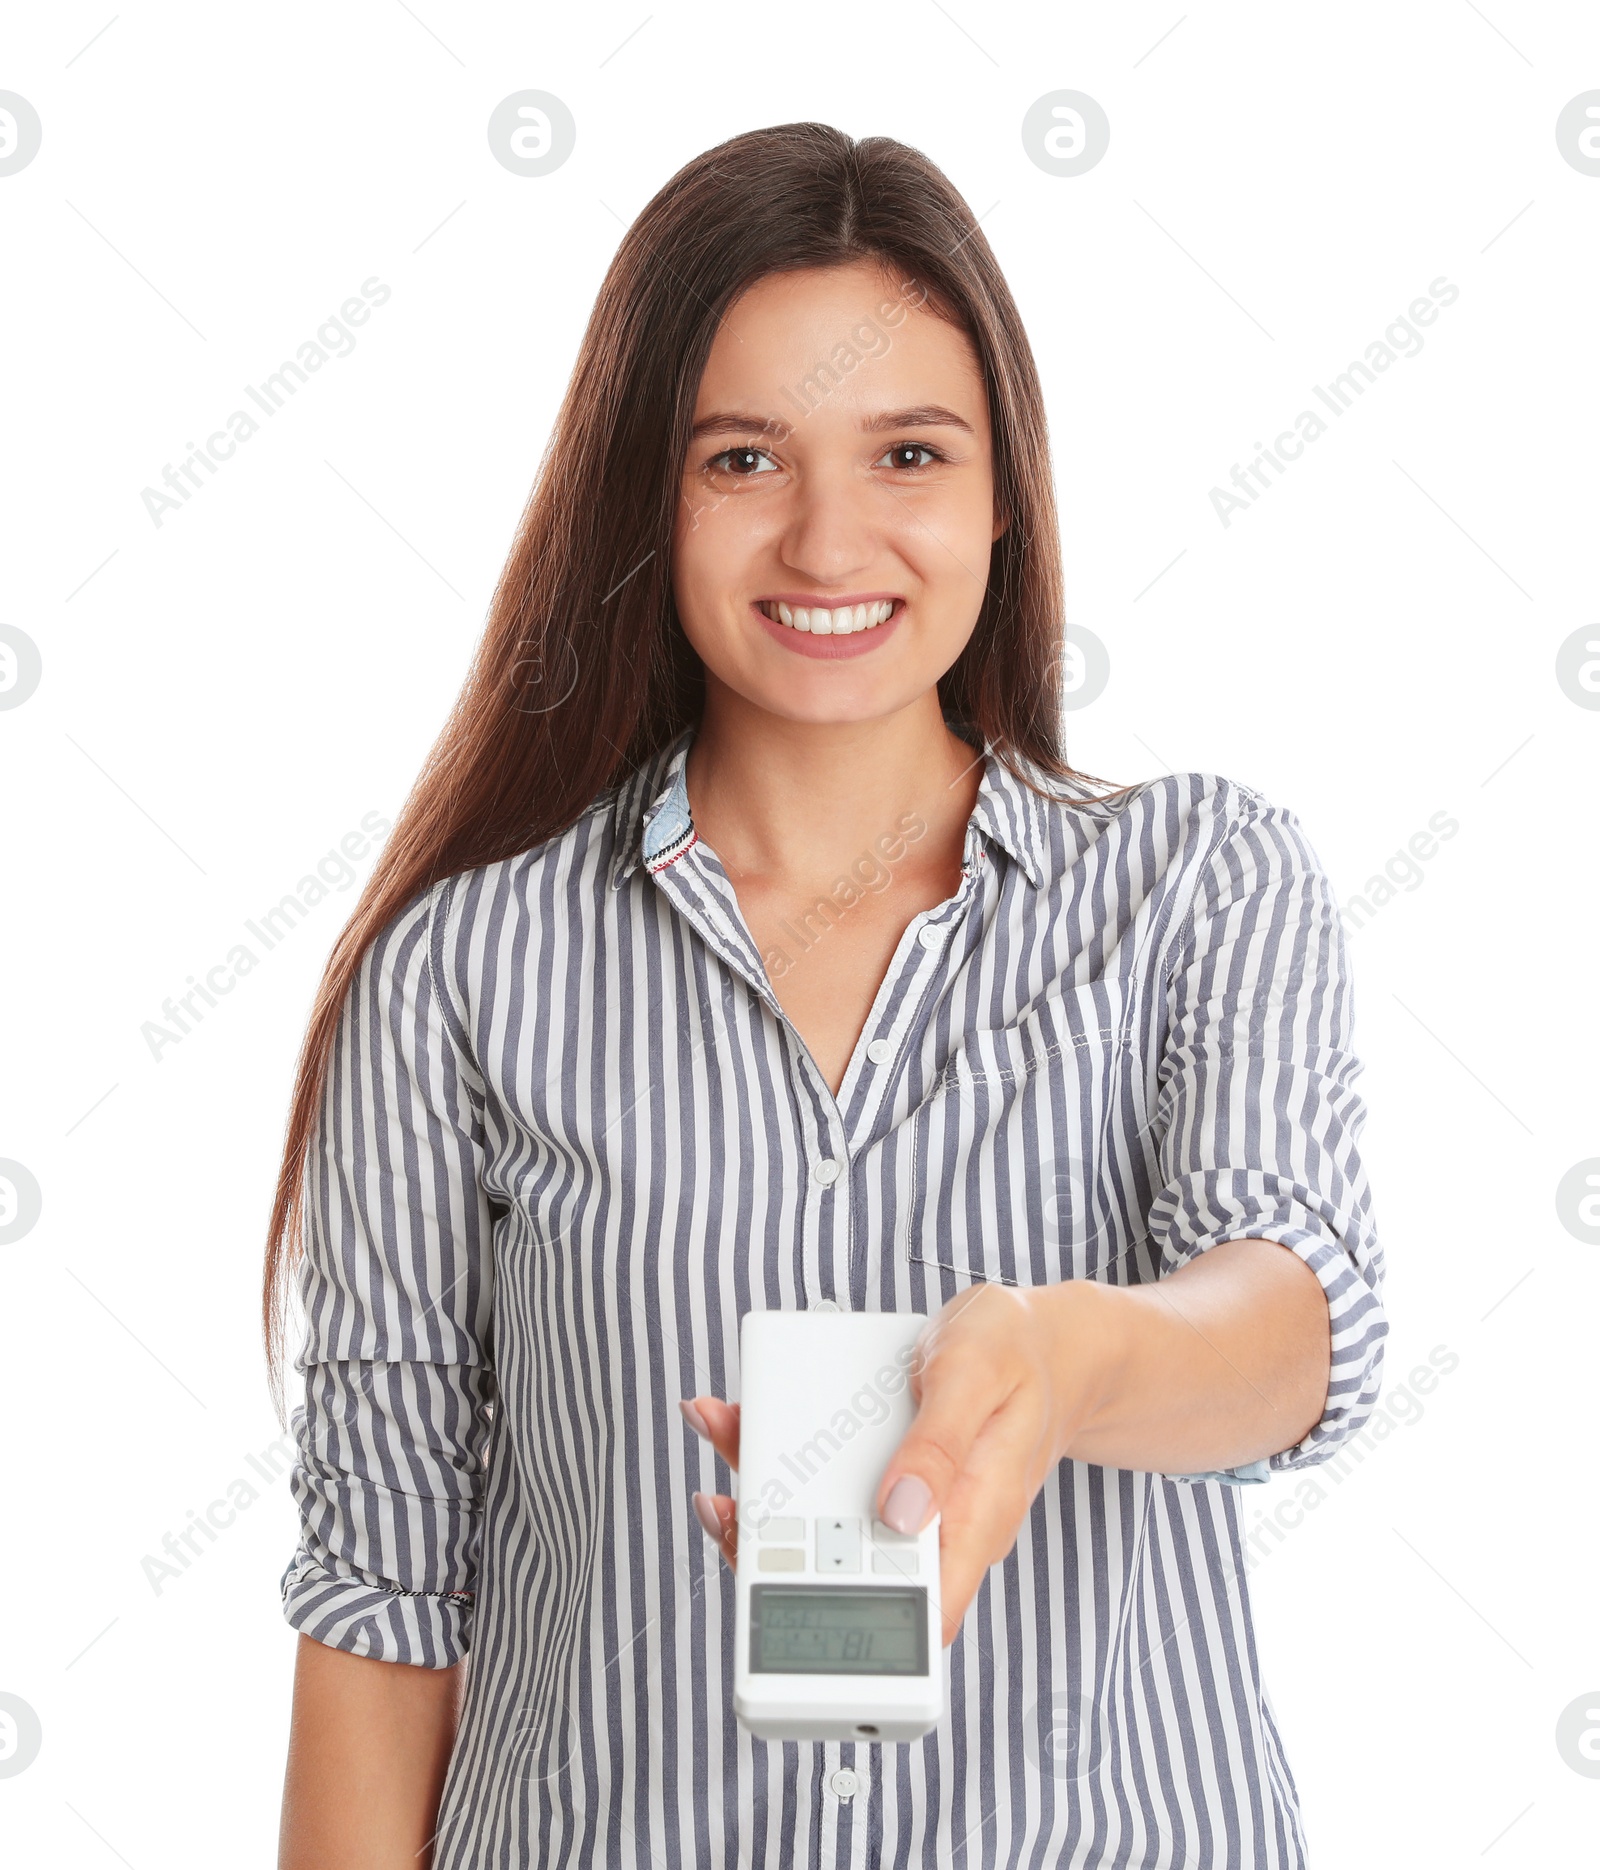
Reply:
x=840, y=459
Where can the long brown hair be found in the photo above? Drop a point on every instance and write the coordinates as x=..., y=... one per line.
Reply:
x=583, y=671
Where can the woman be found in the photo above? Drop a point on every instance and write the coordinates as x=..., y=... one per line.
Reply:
x=748, y=942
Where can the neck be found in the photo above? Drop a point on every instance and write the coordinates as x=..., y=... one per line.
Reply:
x=797, y=803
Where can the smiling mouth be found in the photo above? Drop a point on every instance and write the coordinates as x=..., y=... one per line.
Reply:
x=818, y=620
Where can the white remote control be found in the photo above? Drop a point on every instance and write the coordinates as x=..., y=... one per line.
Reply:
x=837, y=1631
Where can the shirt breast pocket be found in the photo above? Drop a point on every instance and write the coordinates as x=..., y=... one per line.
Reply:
x=1027, y=1157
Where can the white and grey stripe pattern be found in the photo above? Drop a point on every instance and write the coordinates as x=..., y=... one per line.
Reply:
x=570, y=1137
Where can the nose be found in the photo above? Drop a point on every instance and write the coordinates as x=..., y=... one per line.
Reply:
x=831, y=537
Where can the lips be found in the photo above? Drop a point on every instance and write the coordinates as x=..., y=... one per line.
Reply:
x=830, y=644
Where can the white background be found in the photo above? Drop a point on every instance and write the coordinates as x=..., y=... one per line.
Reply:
x=225, y=696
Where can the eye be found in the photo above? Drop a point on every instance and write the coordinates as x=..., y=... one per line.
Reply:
x=913, y=448
x=739, y=462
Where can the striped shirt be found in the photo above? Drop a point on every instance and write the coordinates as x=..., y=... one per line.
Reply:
x=570, y=1137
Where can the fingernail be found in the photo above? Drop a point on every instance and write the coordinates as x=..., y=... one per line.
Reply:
x=693, y=1417
x=907, y=1505
x=706, y=1513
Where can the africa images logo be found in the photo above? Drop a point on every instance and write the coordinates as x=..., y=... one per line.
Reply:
x=332, y=338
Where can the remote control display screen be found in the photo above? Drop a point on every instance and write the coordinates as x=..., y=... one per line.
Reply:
x=834, y=1630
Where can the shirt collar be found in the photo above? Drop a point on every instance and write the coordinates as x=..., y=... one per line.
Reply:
x=653, y=824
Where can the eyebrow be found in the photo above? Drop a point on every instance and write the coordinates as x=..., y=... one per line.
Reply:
x=922, y=416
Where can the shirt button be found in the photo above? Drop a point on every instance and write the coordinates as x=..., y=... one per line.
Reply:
x=930, y=937
x=844, y=1783
x=880, y=1051
x=825, y=1305
x=825, y=1171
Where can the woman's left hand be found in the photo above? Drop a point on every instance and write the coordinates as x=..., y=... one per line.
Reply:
x=1002, y=1376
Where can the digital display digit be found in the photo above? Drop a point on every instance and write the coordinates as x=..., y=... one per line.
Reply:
x=836, y=1630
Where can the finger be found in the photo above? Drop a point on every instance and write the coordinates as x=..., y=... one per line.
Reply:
x=959, y=1578
x=715, y=1421
x=971, y=1359
x=987, y=1507
x=718, y=1520
x=959, y=1395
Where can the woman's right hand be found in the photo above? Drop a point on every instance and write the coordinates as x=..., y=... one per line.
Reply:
x=717, y=1422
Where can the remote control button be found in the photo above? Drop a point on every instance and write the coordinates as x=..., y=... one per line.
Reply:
x=781, y=1558
x=886, y=1535
x=838, y=1545
x=903, y=1563
x=789, y=1531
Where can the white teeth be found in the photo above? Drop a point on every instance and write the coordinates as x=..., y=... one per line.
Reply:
x=815, y=620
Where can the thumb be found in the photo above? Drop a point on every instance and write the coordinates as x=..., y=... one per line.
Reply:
x=933, y=1452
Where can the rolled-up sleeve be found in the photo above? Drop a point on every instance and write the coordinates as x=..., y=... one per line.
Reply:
x=1259, y=1116
x=397, y=1286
